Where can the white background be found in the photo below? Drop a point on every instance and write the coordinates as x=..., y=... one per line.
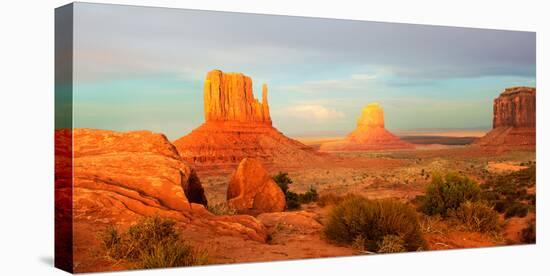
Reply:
x=26, y=133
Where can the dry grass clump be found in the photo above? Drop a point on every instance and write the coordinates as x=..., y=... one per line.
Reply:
x=222, y=209
x=391, y=244
x=153, y=242
x=366, y=223
x=476, y=216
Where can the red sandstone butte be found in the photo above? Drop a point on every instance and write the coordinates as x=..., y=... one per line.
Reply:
x=370, y=134
x=514, y=121
x=238, y=126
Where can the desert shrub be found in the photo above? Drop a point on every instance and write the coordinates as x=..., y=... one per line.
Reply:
x=153, y=242
x=283, y=180
x=446, y=193
x=391, y=244
x=529, y=234
x=222, y=209
x=476, y=216
x=112, y=242
x=294, y=200
x=516, y=209
x=507, y=191
x=357, y=218
x=310, y=195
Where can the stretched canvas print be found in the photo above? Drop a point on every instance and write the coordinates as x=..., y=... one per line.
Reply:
x=188, y=137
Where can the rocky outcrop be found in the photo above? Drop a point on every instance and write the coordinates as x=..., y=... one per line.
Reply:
x=117, y=178
x=238, y=126
x=514, y=121
x=252, y=191
x=370, y=134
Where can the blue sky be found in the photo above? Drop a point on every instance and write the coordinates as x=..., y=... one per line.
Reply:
x=143, y=68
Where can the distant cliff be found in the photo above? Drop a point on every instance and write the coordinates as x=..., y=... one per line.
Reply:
x=515, y=107
x=514, y=121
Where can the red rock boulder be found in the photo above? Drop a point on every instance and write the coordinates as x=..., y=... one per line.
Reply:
x=252, y=191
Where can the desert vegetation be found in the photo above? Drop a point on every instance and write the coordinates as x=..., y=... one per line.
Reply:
x=529, y=234
x=446, y=193
x=381, y=226
x=512, y=194
x=476, y=216
x=153, y=242
x=294, y=200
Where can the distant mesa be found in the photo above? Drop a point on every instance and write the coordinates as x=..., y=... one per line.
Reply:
x=238, y=126
x=370, y=134
x=514, y=121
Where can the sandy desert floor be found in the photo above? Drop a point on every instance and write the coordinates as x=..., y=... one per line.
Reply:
x=392, y=174
x=298, y=234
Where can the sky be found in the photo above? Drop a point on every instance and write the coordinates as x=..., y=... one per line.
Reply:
x=144, y=68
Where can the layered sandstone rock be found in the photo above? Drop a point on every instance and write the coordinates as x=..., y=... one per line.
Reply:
x=229, y=97
x=514, y=121
x=252, y=191
x=370, y=134
x=238, y=126
x=117, y=178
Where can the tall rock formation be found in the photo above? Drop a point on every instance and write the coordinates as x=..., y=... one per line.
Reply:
x=238, y=126
x=514, y=121
x=229, y=97
x=370, y=134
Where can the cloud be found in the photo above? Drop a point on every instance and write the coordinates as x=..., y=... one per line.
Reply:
x=353, y=82
x=315, y=112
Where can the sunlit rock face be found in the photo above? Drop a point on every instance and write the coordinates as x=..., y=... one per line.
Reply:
x=514, y=121
x=238, y=126
x=229, y=97
x=369, y=134
x=253, y=191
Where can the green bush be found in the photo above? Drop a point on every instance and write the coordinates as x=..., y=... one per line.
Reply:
x=446, y=193
x=357, y=218
x=283, y=180
x=310, y=196
x=476, y=216
x=529, y=234
x=153, y=242
x=294, y=200
x=516, y=209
